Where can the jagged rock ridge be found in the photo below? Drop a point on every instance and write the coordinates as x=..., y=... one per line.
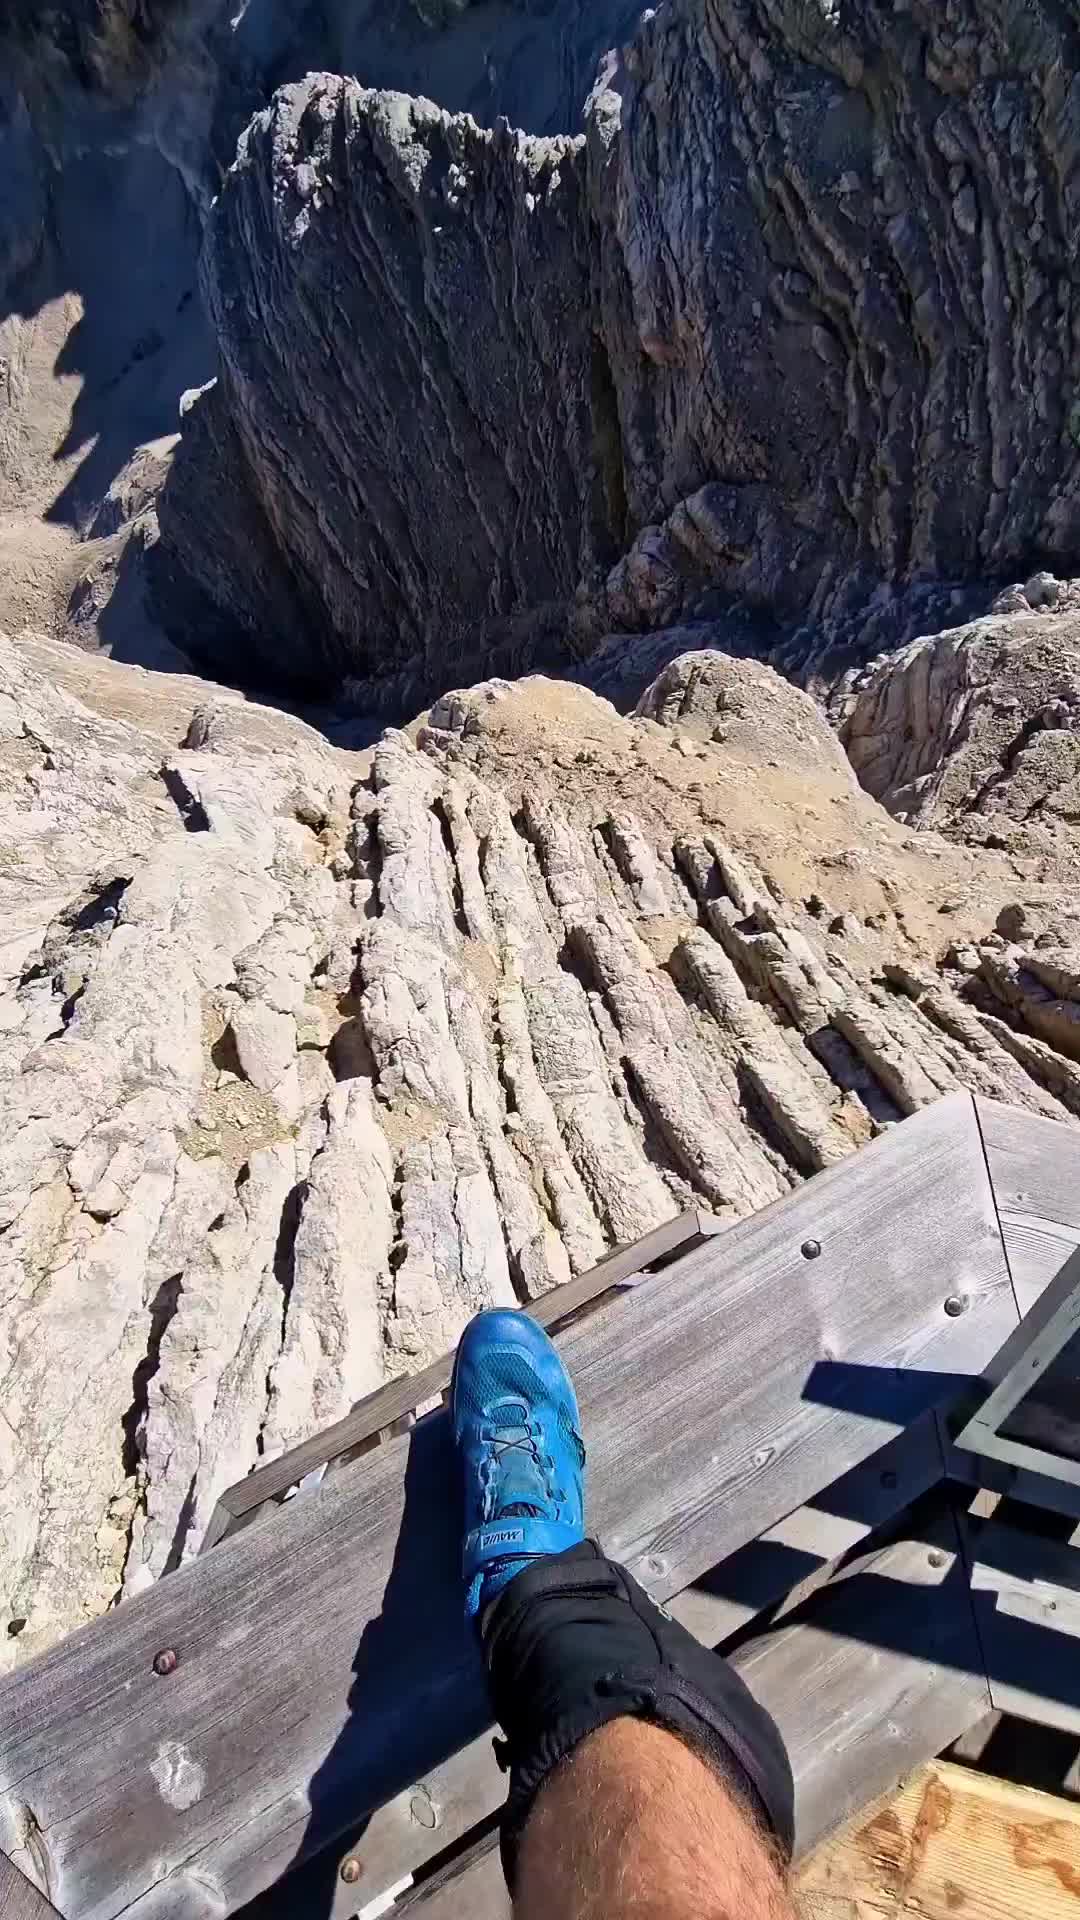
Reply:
x=304, y=1055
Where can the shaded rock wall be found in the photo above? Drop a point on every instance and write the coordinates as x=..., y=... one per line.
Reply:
x=827, y=277
x=399, y=473
x=118, y=119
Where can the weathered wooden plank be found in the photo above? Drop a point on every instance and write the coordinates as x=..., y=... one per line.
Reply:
x=403, y=1835
x=474, y=1890
x=949, y=1841
x=380, y=1411
x=789, y=1558
x=1035, y=1171
x=1036, y=1249
x=881, y=1670
x=19, y=1900
x=1026, y=1592
x=715, y=1399
x=392, y=1837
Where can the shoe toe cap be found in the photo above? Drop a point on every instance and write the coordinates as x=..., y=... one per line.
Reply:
x=509, y=1330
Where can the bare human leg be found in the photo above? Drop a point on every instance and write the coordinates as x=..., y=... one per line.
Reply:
x=634, y=1823
x=644, y=1776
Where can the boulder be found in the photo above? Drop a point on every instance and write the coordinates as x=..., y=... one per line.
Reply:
x=976, y=731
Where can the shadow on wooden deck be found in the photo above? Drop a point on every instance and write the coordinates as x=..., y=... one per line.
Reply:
x=382, y=1750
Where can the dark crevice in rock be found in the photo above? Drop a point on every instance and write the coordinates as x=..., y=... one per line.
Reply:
x=349, y=1054
x=162, y=1311
x=224, y=1055
x=183, y=1528
x=191, y=811
x=285, y=1250
x=102, y=906
x=461, y=920
x=851, y=1074
x=611, y=508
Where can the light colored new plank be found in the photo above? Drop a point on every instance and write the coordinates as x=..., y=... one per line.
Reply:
x=18, y=1899
x=1035, y=1171
x=880, y=1671
x=715, y=1399
x=949, y=1844
x=1026, y=1591
x=379, y=1412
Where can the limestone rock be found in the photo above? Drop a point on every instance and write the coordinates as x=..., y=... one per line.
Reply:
x=744, y=705
x=307, y=1055
x=977, y=731
x=492, y=220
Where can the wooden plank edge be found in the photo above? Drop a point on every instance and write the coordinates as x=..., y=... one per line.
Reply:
x=19, y=1898
x=380, y=1411
x=949, y=1839
x=1026, y=1594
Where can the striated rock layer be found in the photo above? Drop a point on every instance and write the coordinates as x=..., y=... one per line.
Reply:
x=306, y=1055
x=785, y=332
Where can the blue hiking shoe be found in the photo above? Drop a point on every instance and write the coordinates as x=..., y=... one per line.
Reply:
x=516, y=1428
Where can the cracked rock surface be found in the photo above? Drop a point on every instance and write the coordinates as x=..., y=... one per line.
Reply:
x=977, y=731
x=306, y=1055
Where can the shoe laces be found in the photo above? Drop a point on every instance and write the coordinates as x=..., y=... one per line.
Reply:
x=513, y=1432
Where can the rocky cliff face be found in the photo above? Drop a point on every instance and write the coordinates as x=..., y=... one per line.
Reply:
x=977, y=730
x=118, y=119
x=412, y=462
x=306, y=1055
x=785, y=330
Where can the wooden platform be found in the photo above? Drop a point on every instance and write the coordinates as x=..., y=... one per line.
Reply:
x=950, y=1844
x=768, y=1402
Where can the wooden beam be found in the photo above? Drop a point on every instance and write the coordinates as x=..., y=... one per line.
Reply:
x=949, y=1844
x=1035, y=1173
x=790, y=1559
x=379, y=1412
x=19, y=1900
x=786, y=1563
x=716, y=1399
x=1026, y=1591
x=881, y=1669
